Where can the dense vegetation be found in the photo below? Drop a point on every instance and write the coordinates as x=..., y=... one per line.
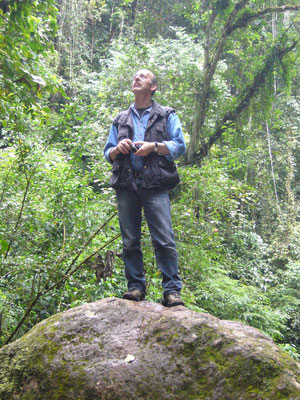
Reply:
x=229, y=68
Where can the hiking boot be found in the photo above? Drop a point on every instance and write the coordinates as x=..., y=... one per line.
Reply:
x=134, y=294
x=172, y=299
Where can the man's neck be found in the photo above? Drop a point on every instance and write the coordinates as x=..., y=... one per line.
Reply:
x=142, y=101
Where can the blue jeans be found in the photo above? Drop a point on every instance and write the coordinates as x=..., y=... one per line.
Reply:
x=158, y=216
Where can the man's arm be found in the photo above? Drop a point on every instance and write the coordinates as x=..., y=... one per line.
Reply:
x=113, y=148
x=148, y=147
x=172, y=148
x=112, y=142
x=176, y=144
x=122, y=147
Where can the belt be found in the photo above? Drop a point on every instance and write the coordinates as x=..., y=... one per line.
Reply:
x=137, y=174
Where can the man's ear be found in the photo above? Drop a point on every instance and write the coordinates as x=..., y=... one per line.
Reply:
x=153, y=87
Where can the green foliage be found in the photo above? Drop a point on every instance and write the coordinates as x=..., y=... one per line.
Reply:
x=61, y=211
x=24, y=42
x=237, y=237
x=228, y=269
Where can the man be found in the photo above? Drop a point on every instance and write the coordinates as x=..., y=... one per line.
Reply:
x=142, y=144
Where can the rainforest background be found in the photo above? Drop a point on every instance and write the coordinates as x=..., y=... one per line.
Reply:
x=229, y=68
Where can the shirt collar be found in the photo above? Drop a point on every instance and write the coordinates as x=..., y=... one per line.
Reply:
x=132, y=107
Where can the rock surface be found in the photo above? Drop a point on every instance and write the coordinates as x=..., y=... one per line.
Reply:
x=119, y=349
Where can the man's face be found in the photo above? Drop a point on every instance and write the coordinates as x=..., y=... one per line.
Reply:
x=142, y=82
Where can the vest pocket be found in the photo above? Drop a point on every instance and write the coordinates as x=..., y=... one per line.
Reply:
x=158, y=132
x=159, y=173
x=115, y=177
x=122, y=174
x=151, y=175
x=168, y=173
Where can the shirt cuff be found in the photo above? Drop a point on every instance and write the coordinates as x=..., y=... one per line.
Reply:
x=107, y=153
x=170, y=146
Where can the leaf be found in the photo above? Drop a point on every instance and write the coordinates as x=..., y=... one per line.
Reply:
x=39, y=80
x=3, y=246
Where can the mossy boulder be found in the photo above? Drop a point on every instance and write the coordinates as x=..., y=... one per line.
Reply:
x=119, y=349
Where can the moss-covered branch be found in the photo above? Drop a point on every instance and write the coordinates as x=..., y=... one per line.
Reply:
x=233, y=22
x=209, y=69
x=247, y=17
x=245, y=97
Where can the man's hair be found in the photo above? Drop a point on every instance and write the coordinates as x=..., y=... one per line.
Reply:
x=154, y=81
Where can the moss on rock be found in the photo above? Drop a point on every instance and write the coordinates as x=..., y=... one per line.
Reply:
x=178, y=354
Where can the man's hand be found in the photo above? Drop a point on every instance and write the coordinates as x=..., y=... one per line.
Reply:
x=122, y=147
x=145, y=148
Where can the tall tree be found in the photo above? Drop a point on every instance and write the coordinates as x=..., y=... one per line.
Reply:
x=222, y=22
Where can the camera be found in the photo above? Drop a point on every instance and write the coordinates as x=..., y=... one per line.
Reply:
x=133, y=148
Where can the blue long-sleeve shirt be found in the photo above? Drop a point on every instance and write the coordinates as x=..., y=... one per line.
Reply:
x=175, y=145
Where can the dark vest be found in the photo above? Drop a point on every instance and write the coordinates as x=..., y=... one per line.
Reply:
x=158, y=172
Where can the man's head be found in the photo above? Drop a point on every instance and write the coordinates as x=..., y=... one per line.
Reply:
x=144, y=81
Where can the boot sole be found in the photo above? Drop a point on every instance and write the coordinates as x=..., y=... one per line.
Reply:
x=166, y=304
x=129, y=297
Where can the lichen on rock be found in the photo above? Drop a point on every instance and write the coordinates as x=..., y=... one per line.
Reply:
x=174, y=353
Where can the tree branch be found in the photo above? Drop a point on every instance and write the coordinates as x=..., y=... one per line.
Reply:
x=29, y=308
x=88, y=242
x=210, y=67
x=6, y=180
x=28, y=179
x=245, y=97
x=247, y=17
x=208, y=72
x=70, y=273
x=19, y=217
x=43, y=292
